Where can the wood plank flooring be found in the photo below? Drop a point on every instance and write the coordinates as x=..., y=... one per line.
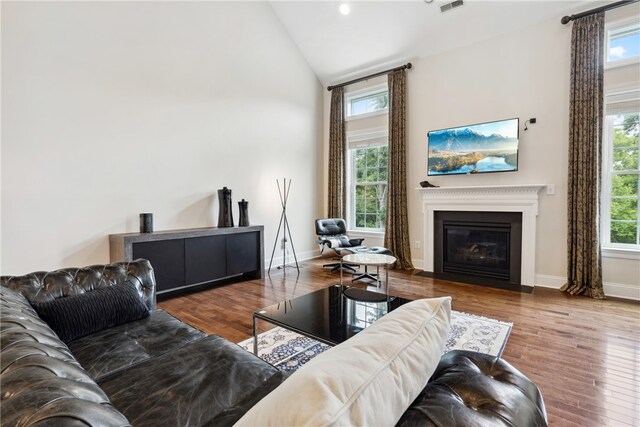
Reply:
x=583, y=354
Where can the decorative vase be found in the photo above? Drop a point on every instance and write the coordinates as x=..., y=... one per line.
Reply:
x=225, y=216
x=146, y=222
x=243, y=207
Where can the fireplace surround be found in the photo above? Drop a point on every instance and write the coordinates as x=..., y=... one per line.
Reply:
x=493, y=199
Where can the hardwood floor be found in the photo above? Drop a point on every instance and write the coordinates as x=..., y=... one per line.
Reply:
x=583, y=354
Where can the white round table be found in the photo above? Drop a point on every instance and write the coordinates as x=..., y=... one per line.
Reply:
x=370, y=259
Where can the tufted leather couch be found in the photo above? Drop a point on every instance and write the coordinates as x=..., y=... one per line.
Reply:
x=154, y=371
x=476, y=389
x=160, y=371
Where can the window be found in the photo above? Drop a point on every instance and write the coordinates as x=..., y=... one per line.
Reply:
x=368, y=159
x=623, y=43
x=621, y=172
x=362, y=314
x=371, y=102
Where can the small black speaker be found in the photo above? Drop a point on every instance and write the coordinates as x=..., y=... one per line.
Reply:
x=146, y=223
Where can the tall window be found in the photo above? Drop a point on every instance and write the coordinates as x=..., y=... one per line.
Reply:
x=621, y=171
x=368, y=160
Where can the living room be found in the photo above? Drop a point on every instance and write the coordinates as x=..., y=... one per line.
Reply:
x=112, y=109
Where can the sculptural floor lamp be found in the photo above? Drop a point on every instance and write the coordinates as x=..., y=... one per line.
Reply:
x=284, y=226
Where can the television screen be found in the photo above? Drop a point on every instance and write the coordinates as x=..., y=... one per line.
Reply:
x=485, y=147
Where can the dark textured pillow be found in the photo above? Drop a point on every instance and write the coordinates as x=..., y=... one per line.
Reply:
x=79, y=315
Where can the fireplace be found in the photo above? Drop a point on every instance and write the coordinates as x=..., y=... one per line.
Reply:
x=481, y=247
x=493, y=200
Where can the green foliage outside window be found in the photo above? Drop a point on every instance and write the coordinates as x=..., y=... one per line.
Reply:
x=624, y=180
x=370, y=182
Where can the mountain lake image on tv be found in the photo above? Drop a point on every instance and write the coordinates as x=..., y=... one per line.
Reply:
x=484, y=147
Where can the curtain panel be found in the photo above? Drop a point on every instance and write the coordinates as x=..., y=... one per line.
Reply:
x=337, y=151
x=584, y=263
x=396, y=237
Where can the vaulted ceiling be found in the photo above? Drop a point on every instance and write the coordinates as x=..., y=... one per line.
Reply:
x=380, y=34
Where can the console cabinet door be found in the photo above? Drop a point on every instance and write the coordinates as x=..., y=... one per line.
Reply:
x=205, y=259
x=167, y=260
x=243, y=250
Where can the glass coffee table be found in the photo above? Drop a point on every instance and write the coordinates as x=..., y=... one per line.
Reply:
x=330, y=315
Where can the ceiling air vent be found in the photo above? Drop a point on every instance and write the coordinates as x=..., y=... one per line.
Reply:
x=452, y=5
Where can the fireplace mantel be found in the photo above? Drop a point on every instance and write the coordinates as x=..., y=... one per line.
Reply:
x=496, y=198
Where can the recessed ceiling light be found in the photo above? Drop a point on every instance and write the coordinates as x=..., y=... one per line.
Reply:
x=345, y=9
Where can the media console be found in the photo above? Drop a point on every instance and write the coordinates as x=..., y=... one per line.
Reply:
x=189, y=257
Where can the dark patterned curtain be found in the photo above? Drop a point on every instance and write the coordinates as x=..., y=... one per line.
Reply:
x=337, y=166
x=584, y=265
x=396, y=237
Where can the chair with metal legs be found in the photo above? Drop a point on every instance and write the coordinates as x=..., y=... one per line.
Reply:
x=332, y=234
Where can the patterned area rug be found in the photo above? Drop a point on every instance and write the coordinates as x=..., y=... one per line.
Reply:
x=288, y=350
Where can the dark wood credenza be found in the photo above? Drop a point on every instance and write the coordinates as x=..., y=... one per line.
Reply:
x=189, y=257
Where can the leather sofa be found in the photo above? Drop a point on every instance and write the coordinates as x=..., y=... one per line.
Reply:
x=161, y=371
x=154, y=371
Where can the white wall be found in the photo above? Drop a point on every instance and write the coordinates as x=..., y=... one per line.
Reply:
x=116, y=108
x=524, y=74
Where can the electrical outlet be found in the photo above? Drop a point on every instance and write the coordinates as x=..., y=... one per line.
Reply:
x=417, y=244
x=551, y=189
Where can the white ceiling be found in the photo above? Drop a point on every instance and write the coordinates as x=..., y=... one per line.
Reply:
x=380, y=34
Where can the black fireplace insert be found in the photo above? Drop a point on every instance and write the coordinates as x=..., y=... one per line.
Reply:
x=481, y=247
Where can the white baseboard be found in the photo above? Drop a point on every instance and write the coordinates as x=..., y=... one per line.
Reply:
x=622, y=290
x=302, y=256
x=618, y=290
x=546, y=281
x=417, y=263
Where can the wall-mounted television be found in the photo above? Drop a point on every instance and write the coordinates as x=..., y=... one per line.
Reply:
x=479, y=148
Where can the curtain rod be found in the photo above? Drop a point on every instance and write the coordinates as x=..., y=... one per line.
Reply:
x=406, y=66
x=567, y=19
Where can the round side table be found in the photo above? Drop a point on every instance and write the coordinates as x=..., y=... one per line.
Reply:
x=370, y=259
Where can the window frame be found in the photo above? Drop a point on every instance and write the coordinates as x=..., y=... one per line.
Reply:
x=371, y=90
x=609, y=249
x=612, y=26
x=351, y=139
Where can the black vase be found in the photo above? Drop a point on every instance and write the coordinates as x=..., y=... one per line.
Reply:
x=146, y=222
x=243, y=207
x=225, y=216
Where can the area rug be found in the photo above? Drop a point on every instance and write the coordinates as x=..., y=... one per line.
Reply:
x=287, y=350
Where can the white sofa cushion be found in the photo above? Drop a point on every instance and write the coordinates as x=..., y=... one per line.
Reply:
x=368, y=380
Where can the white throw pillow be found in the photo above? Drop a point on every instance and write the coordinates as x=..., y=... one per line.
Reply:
x=368, y=380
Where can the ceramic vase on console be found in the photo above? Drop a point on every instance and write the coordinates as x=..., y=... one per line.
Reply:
x=243, y=207
x=225, y=216
x=146, y=222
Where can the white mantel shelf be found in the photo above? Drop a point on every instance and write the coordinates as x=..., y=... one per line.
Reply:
x=485, y=189
x=494, y=198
